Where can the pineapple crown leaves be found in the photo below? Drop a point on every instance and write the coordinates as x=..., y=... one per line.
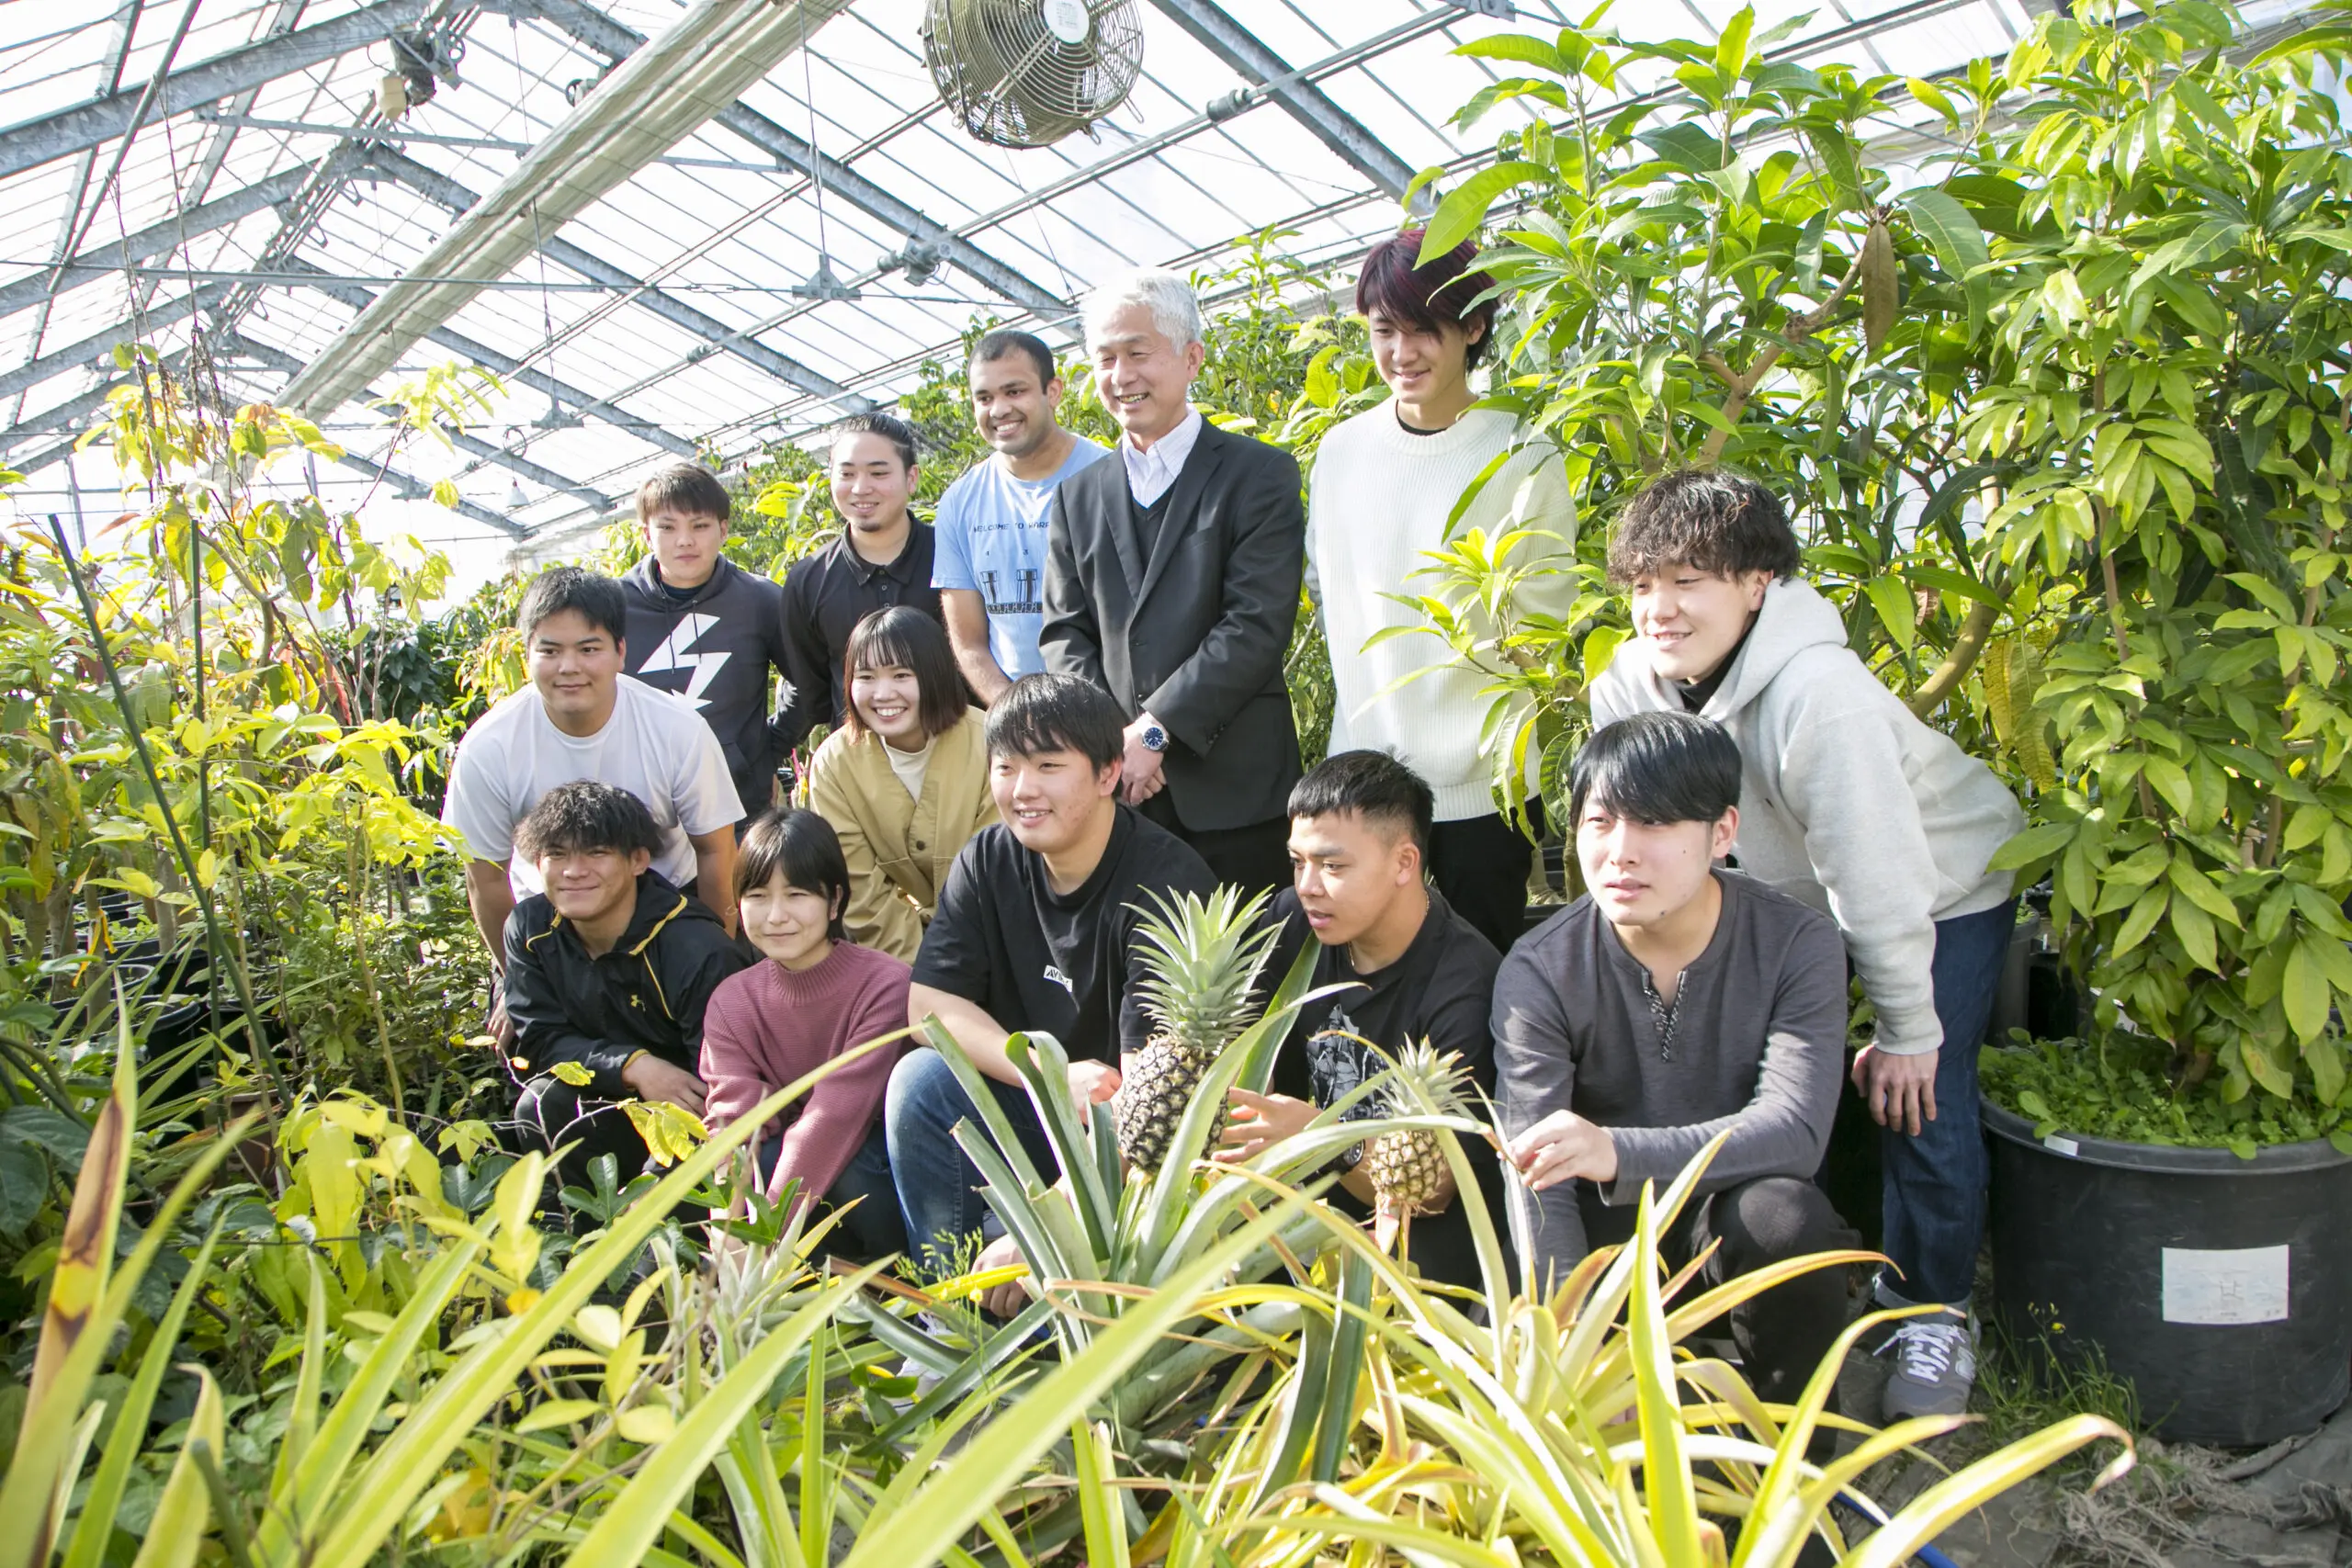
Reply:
x=1422, y=1079
x=1201, y=959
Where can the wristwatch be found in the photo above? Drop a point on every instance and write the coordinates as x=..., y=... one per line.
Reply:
x=1349, y=1158
x=1154, y=736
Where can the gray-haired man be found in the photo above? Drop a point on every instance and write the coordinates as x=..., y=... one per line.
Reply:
x=1172, y=579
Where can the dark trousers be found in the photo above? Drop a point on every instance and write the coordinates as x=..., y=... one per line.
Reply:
x=552, y=1112
x=1934, y=1214
x=1255, y=859
x=869, y=1230
x=1783, y=1334
x=1481, y=864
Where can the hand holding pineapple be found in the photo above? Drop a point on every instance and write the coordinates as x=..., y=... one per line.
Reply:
x=1092, y=1084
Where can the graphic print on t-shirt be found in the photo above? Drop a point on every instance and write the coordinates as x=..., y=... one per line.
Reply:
x=1025, y=601
x=1338, y=1062
x=1054, y=973
x=675, y=653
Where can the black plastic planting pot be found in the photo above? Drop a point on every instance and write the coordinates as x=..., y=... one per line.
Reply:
x=2220, y=1287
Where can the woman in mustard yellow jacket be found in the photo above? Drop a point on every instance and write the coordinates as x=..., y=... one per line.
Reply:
x=905, y=780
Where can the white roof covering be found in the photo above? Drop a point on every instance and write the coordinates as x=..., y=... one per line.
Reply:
x=718, y=224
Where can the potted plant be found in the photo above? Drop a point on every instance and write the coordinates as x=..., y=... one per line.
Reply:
x=2167, y=400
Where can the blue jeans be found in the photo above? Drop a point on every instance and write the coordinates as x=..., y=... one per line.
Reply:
x=939, y=1194
x=1935, y=1183
x=871, y=1230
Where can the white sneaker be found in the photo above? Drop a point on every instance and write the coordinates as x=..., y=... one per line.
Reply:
x=1935, y=1366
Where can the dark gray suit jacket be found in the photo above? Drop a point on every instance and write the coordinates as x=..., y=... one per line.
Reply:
x=1195, y=634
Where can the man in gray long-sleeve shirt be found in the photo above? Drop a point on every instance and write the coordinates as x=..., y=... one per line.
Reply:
x=1674, y=1003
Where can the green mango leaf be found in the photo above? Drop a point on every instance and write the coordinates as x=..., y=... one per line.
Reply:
x=2170, y=781
x=2146, y=912
x=1951, y=232
x=1460, y=215
x=1930, y=95
x=1688, y=145
x=1897, y=611
x=2311, y=40
x=2304, y=992
x=2033, y=844
x=2194, y=927
x=1526, y=50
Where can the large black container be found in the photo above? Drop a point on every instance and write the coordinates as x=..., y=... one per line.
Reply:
x=2220, y=1287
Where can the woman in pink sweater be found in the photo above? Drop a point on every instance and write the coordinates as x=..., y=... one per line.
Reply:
x=818, y=996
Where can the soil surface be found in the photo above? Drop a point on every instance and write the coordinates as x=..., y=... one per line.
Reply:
x=2285, y=1506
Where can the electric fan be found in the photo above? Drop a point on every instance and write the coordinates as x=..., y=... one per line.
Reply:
x=1027, y=73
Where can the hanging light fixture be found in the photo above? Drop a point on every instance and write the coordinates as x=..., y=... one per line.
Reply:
x=515, y=498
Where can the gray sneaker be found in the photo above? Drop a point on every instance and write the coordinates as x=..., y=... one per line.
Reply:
x=1935, y=1366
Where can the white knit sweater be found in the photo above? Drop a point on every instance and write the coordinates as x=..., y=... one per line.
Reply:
x=1378, y=502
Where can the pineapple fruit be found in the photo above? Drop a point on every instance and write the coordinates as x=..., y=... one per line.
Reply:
x=1201, y=960
x=1407, y=1167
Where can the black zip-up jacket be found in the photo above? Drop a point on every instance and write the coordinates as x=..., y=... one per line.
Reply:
x=719, y=660
x=646, y=994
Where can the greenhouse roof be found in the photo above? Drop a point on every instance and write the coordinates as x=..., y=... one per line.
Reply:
x=737, y=288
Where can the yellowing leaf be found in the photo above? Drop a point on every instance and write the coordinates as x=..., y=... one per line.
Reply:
x=558, y=1413
x=572, y=1073
x=646, y=1424
x=598, y=1326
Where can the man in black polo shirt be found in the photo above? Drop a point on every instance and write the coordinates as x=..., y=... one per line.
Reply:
x=1035, y=931
x=882, y=556
x=1358, y=837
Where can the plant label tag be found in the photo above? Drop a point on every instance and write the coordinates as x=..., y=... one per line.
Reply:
x=2058, y=1146
x=2243, y=1284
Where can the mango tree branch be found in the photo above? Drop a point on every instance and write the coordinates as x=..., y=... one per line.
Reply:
x=1975, y=628
x=1742, y=385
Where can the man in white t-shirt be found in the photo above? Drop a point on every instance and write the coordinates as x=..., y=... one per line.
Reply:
x=579, y=719
x=990, y=566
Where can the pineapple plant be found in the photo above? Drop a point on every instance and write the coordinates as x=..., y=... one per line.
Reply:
x=1201, y=960
x=1407, y=1167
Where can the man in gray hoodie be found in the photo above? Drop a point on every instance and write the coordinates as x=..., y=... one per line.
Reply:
x=1856, y=807
x=1672, y=1003
x=704, y=629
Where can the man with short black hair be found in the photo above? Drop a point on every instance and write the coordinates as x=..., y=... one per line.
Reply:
x=882, y=556
x=703, y=627
x=1413, y=970
x=1672, y=1003
x=579, y=719
x=609, y=970
x=991, y=522
x=1036, y=929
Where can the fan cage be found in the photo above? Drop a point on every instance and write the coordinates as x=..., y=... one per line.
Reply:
x=1012, y=82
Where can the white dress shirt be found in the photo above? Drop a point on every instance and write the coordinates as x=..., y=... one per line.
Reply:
x=1152, y=474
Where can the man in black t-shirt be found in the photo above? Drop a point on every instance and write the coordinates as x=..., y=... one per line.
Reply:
x=1359, y=836
x=1035, y=931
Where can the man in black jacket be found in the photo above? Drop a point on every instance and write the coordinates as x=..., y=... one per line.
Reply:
x=704, y=629
x=1172, y=580
x=609, y=970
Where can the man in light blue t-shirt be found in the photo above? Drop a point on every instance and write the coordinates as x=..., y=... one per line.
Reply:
x=991, y=568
